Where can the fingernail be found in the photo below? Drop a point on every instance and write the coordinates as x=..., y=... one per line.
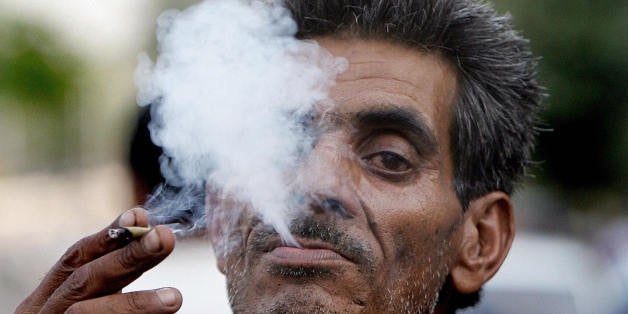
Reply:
x=127, y=219
x=167, y=296
x=151, y=242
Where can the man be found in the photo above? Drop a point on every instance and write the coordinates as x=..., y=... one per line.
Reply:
x=433, y=125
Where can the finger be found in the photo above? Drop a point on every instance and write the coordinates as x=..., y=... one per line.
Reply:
x=113, y=271
x=79, y=254
x=160, y=301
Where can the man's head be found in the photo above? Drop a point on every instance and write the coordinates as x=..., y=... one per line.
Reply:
x=408, y=182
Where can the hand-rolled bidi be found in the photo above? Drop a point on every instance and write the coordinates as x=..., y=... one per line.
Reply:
x=128, y=233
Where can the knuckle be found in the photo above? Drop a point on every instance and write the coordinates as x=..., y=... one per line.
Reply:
x=128, y=258
x=134, y=301
x=79, y=284
x=73, y=257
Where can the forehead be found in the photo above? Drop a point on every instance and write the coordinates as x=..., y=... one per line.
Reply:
x=382, y=74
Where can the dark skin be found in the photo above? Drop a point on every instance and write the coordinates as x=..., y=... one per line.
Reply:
x=397, y=229
x=89, y=276
x=385, y=231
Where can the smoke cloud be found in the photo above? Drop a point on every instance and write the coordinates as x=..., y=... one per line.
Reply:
x=229, y=92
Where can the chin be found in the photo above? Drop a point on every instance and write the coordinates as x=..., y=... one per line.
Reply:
x=286, y=288
x=273, y=286
x=304, y=298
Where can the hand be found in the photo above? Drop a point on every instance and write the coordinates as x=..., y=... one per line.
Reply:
x=89, y=277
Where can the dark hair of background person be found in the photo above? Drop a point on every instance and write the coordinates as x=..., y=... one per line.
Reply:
x=493, y=125
x=143, y=157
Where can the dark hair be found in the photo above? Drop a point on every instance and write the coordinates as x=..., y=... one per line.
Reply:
x=143, y=157
x=493, y=120
x=493, y=123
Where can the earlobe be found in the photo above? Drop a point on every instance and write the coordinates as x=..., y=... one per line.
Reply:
x=487, y=232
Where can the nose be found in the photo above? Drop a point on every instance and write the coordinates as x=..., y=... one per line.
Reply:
x=325, y=179
x=336, y=206
x=324, y=204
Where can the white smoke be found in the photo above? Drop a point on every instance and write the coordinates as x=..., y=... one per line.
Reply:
x=228, y=90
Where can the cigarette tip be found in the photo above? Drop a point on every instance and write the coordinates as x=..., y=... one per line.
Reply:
x=128, y=232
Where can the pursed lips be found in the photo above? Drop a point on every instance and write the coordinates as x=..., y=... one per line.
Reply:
x=311, y=252
x=319, y=241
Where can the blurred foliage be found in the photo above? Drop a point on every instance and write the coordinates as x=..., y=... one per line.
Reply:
x=35, y=70
x=584, y=65
x=39, y=91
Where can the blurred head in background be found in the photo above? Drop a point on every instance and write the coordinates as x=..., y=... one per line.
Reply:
x=143, y=158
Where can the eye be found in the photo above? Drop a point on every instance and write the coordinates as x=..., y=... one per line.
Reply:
x=388, y=161
x=388, y=155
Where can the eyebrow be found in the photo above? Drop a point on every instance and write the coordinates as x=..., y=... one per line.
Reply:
x=408, y=123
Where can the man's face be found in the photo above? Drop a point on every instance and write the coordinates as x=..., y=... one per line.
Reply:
x=381, y=230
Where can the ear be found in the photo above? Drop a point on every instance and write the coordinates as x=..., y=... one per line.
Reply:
x=487, y=233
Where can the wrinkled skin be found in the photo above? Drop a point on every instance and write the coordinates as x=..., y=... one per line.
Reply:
x=390, y=235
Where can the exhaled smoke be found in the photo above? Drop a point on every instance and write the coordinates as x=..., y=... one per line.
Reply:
x=229, y=91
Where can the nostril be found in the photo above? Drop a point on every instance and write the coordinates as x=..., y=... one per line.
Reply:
x=335, y=206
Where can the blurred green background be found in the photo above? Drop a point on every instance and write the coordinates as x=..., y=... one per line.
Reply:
x=584, y=49
x=63, y=108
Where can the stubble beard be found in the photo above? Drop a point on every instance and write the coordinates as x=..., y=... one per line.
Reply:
x=241, y=262
x=413, y=293
x=420, y=293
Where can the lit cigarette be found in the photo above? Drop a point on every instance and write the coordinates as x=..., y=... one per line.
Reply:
x=128, y=232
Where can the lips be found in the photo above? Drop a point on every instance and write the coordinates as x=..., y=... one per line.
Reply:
x=308, y=254
x=321, y=243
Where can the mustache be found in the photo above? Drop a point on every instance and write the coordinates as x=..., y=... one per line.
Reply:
x=312, y=228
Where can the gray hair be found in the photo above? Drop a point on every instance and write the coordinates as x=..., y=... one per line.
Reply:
x=493, y=124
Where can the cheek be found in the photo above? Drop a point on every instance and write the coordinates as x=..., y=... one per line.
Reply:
x=412, y=221
x=409, y=236
x=415, y=236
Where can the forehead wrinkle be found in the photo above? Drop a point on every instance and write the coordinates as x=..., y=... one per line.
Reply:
x=385, y=77
x=376, y=86
x=374, y=69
